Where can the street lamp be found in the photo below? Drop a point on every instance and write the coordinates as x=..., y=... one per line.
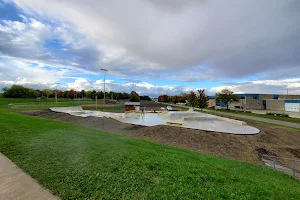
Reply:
x=105, y=70
x=56, y=90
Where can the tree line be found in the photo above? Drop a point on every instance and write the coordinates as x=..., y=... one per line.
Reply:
x=201, y=100
x=19, y=91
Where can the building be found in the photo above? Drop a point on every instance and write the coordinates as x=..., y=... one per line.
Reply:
x=262, y=101
x=155, y=99
x=132, y=106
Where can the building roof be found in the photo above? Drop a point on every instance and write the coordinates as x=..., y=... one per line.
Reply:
x=132, y=103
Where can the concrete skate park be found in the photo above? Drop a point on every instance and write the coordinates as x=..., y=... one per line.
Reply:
x=186, y=119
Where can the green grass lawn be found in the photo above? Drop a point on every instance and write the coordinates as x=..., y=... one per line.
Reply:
x=25, y=103
x=30, y=104
x=287, y=119
x=80, y=163
x=179, y=108
x=108, y=108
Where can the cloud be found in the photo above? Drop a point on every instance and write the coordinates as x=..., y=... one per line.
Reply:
x=36, y=75
x=154, y=38
x=142, y=88
x=291, y=86
x=184, y=41
x=20, y=39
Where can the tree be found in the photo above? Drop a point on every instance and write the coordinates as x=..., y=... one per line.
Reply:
x=175, y=99
x=99, y=95
x=202, y=99
x=65, y=94
x=59, y=94
x=83, y=93
x=71, y=94
x=93, y=92
x=111, y=95
x=39, y=92
x=182, y=98
x=19, y=91
x=124, y=95
x=47, y=92
x=89, y=94
x=163, y=98
x=118, y=95
x=134, y=97
x=33, y=93
x=145, y=98
x=226, y=96
x=192, y=99
x=78, y=94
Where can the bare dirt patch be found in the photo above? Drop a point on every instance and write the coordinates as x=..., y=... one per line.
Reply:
x=272, y=140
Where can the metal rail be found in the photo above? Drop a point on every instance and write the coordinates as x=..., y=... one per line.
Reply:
x=289, y=167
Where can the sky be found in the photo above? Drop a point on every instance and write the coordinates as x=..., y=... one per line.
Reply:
x=153, y=47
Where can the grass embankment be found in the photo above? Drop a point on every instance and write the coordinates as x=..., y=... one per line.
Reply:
x=281, y=118
x=106, y=108
x=79, y=163
x=179, y=108
x=31, y=104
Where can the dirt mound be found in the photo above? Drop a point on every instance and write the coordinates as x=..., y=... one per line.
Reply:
x=272, y=140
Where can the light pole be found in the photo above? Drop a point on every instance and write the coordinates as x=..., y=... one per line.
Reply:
x=56, y=90
x=105, y=70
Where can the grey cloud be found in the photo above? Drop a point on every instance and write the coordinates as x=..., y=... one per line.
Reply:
x=232, y=38
x=263, y=86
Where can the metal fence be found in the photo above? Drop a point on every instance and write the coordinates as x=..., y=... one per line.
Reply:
x=286, y=165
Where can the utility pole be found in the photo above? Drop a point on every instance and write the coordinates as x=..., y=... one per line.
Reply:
x=105, y=70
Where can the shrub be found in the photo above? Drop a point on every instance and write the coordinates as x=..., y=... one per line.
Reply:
x=278, y=114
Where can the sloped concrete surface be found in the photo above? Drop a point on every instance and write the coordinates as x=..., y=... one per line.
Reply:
x=15, y=184
x=186, y=119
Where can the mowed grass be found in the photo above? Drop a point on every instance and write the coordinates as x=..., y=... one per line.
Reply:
x=107, y=108
x=30, y=104
x=287, y=119
x=80, y=163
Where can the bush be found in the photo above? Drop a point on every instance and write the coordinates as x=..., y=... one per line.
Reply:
x=1, y=95
x=239, y=107
x=18, y=91
x=278, y=114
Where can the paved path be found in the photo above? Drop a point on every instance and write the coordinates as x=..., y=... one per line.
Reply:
x=15, y=184
x=272, y=121
x=260, y=119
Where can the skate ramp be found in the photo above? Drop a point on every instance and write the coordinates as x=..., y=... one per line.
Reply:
x=185, y=119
